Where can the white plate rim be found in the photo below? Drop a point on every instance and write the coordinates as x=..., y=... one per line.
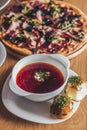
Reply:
x=3, y=53
x=24, y=116
x=3, y=6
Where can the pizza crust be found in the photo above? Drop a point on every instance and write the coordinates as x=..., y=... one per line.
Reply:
x=19, y=50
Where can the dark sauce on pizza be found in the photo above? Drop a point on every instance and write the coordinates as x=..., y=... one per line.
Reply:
x=39, y=78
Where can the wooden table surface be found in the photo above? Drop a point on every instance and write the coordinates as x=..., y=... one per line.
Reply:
x=77, y=122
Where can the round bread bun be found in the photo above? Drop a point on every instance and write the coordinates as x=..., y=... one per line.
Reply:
x=62, y=107
x=76, y=88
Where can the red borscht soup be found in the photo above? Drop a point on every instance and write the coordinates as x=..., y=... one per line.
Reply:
x=39, y=78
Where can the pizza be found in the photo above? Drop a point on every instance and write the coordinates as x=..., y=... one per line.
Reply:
x=45, y=26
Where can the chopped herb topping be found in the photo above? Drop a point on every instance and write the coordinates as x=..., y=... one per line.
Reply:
x=55, y=8
x=41, y=76
x=67, y=25
x=62, y=100
x=25, y=10
x=76, y=79
x=58, y=38
x=13, y=18
x=33, y=22
x=22, y=6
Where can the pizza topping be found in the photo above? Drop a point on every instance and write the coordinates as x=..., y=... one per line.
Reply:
x=38, y=15
x=34, y=50
x=81, y=34
x=37, y=4
x=7, y=22
x=20, y=39
x=54, y=9
x=31, y=13
x=9, y=14
x=33, y=40
x=16, y=8
x=29, y=28
x=25, y=25
x=13, y=26
x=58, y=38
x=48, y=36
x=21, y=18
x=8, y=37
x=33, y=22
x=47, y=21
x=40, y=30
x=67, y=25
x=41, y=42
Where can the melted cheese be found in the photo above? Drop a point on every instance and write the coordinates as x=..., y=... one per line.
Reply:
x=25, y=25
x=39, y=17
x=13, y=26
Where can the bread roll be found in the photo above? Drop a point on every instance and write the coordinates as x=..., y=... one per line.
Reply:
x=76, y=88
x=62, y=107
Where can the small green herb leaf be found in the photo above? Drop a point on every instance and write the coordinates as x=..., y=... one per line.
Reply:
x=25, y=10
x=66, y=25
x=13, y=18
x=55, y=8
x=58, y=38
x=33, y=22
x=22, y=6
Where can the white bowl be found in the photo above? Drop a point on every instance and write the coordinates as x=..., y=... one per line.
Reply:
x=4, y=3
x=60, y=61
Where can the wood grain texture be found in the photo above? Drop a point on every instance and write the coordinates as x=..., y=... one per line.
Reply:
x=77, y=122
